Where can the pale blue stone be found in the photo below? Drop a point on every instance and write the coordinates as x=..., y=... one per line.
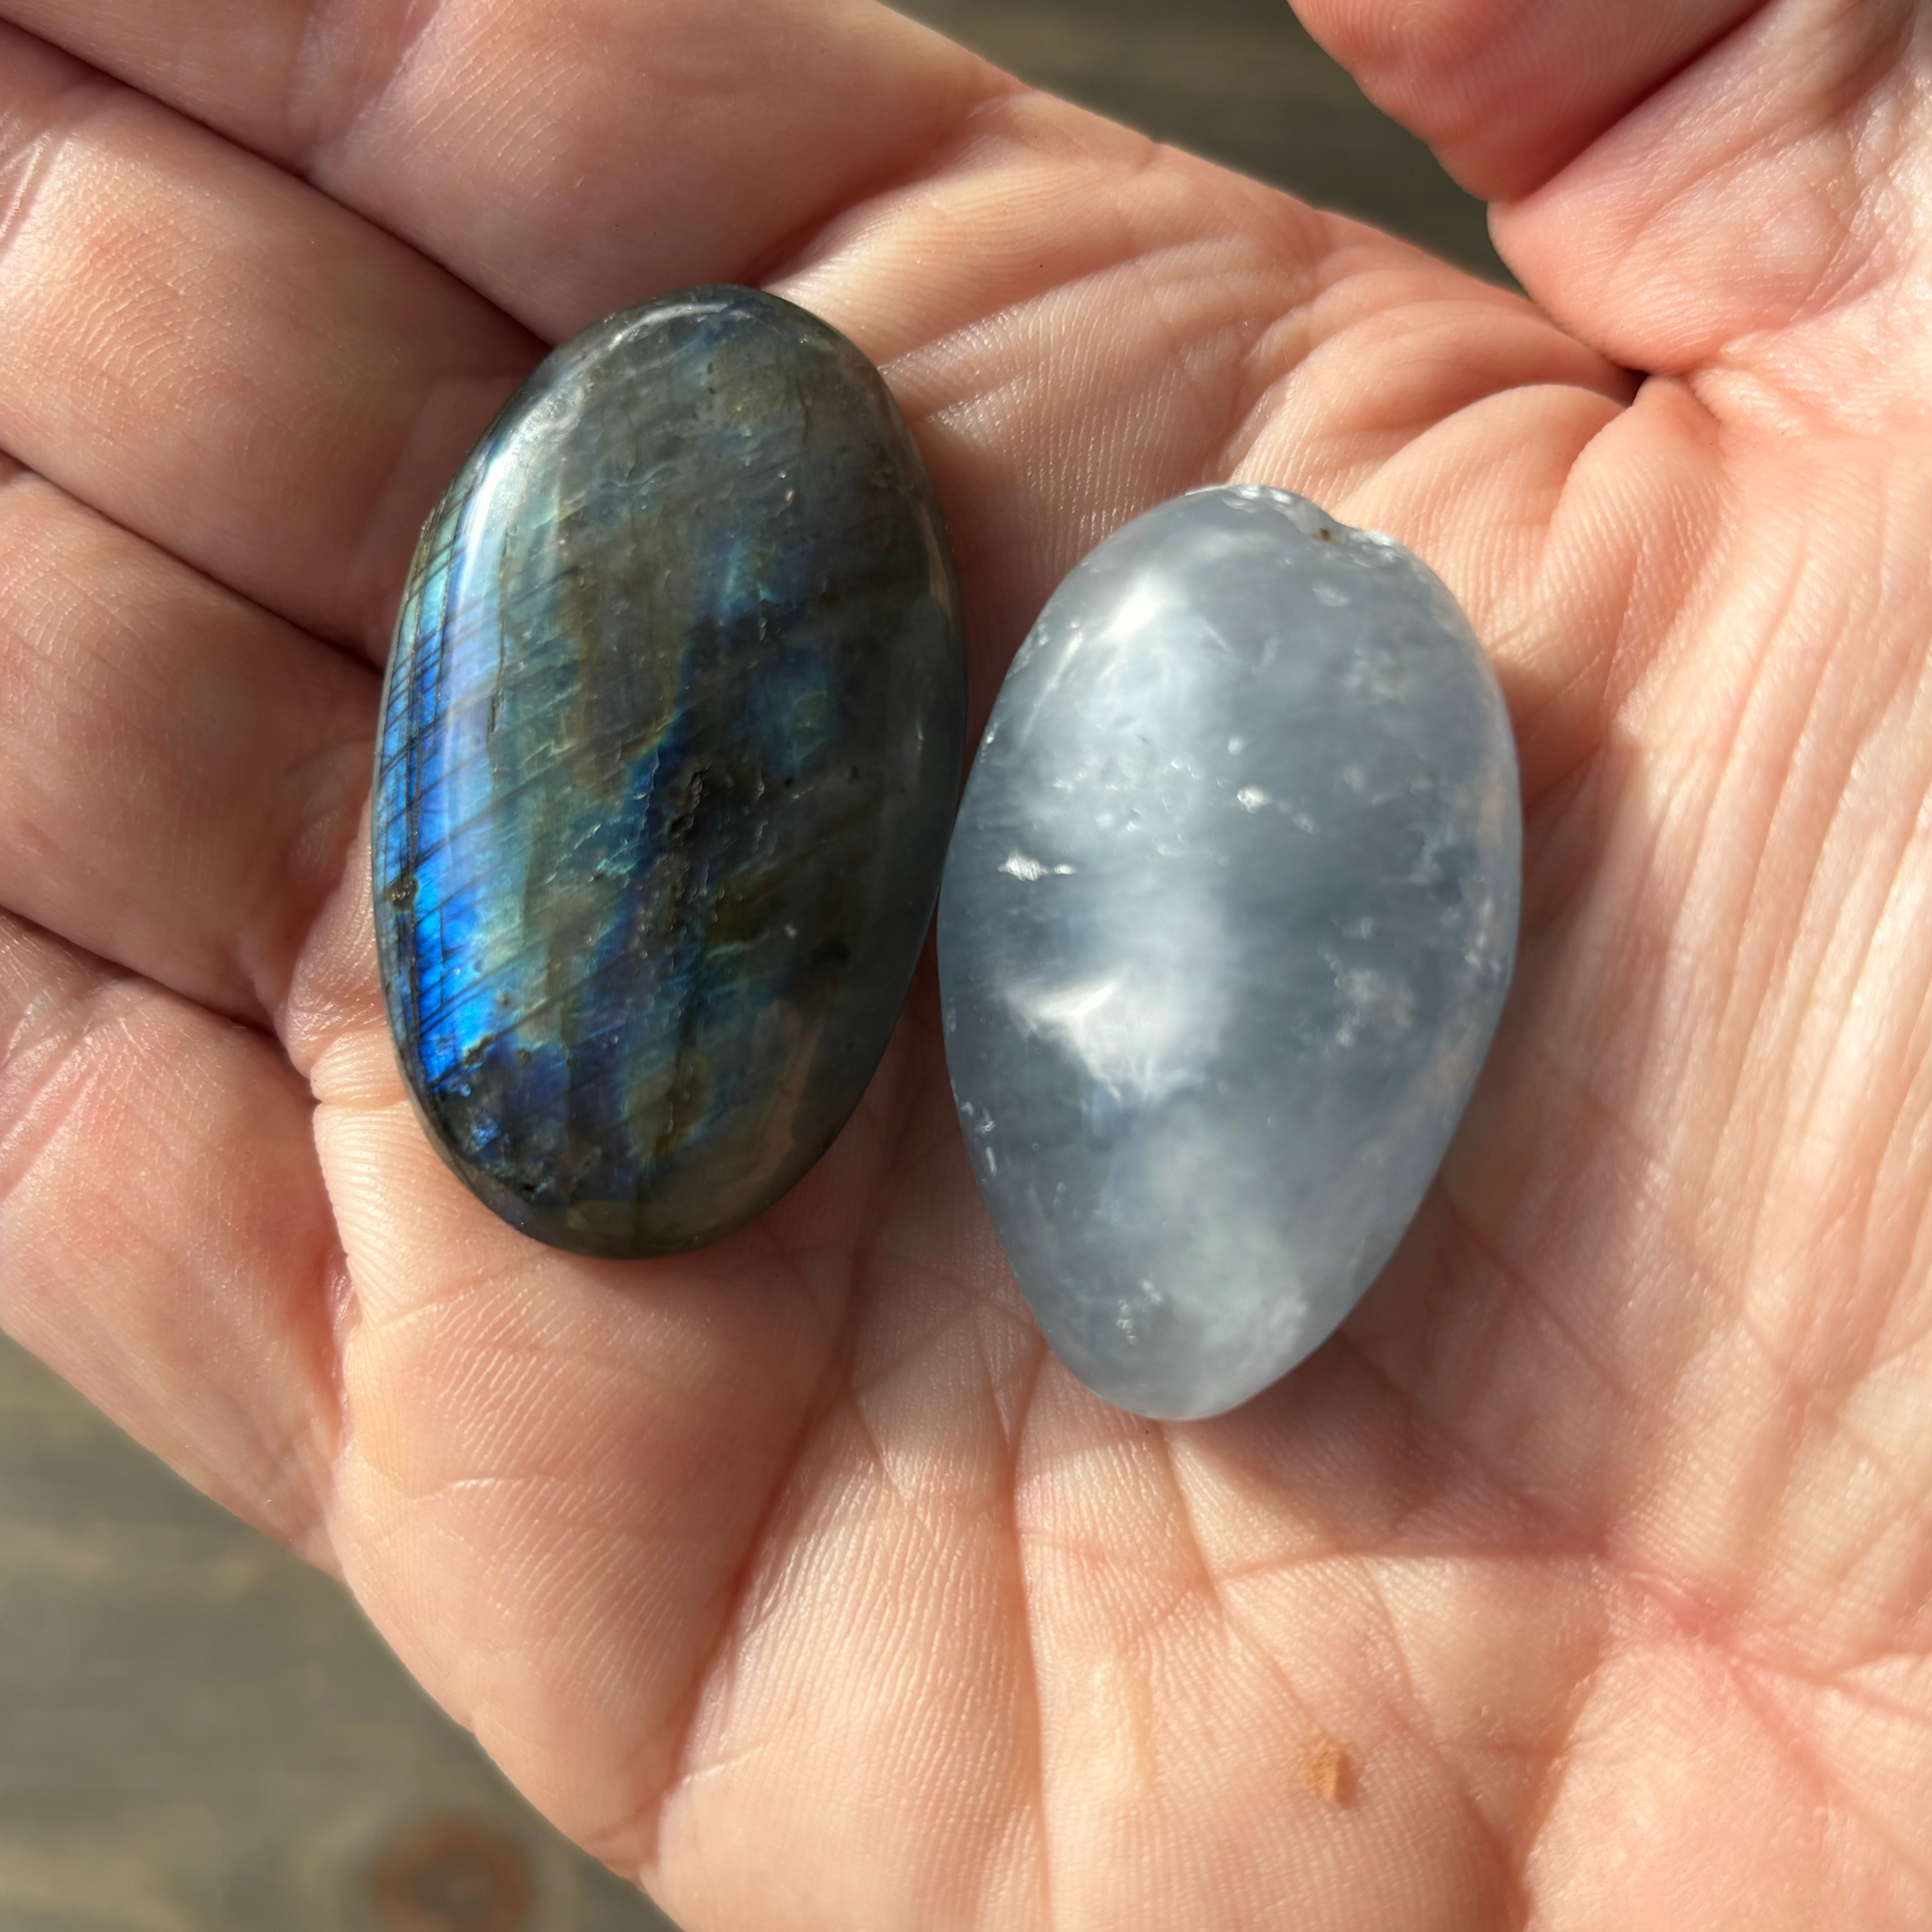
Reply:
x=1226, y=926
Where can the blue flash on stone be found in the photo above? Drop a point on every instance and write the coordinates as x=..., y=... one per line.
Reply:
x=671, y=741
x=1227, y=924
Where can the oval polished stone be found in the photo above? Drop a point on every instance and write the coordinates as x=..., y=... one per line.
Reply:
x=671, y=745
x=1227, y=923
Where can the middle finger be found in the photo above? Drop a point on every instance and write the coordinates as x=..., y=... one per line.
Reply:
x=223, y=359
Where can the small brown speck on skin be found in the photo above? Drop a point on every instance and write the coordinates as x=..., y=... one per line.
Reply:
x=1326, y=1770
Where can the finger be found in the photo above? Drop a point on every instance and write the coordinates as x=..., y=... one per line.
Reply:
x=1747, y=227
x=568, y=157
x=165, y=1243
x=180, y=774
x=1506, y=91
x=221, y=358
x=1709, y=190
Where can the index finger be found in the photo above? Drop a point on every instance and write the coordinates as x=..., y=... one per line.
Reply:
x=564, y=158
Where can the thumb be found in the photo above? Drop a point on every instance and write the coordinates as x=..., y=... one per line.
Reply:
x=1707, y=188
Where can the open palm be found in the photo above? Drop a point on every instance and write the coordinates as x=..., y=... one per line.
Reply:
x=1582, y=1581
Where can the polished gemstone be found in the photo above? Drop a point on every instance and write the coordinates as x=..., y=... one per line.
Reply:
x=670, y=746
x=1226, y=927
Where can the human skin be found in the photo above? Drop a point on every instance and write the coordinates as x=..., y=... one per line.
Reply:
x=1581, y=1581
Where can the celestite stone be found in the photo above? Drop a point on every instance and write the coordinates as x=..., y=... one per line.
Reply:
x=670, y=746
x=1227, y=923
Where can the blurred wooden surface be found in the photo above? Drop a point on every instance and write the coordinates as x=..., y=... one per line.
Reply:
x=197, y=1734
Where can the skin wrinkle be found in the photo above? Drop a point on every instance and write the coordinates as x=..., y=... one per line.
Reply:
x=1894, y=1354
x=291, y=1503
x=1776, y=1000
x=287, y=1507
x=1100, y=271
x=1634, y=1016
x=344, y=1313
x=993, y=149
x=643, y=1826
x=323, y=119
x=1492, y=1835
x=616, y=1536
x=304, y=1446
x=794, y=256
x=1013, y=1435
x=1778, y=762
x=1573, y=813
x=1366, y=458
x=1631, y=658
x=1806, y=1761
x=1838, y=1682
x=280, y=1492
x=1846, y=783
x=916, y=1351
x=1276, y=353
x=64, y=113
x=328, y=822
x=328, y=781
x=1910, y=1513
x=1804, y=1404
x=1210, y=409
x=1547, y=1791
x=1255, y=1647
x=1542, y=1803
x=1853, y=1219
x=1522, y=1295
x=1652, y=1200
x=372, y=625
x=470, y=1704
x=1509, y=1860
x=61, y=1080
x=1741, y=1003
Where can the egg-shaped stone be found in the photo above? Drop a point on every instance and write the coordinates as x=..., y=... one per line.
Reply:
x=1227, y=923
x=670, y=744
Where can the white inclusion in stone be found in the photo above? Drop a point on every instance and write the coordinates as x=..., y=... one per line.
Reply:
x=1228, y=1047
x=1372, y=1002
x=1019, y=866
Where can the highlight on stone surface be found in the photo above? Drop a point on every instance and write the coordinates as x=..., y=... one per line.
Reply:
x=671, y=745
x=1228, y=920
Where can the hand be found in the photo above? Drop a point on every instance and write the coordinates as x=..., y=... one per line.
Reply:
x=1582, y=1581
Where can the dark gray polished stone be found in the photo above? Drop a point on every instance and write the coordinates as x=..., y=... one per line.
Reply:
x=670, y=746
x=1228, y=921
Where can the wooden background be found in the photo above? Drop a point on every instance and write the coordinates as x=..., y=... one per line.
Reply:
x=197, y=1734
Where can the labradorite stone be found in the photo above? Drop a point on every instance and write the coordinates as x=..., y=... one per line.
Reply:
x=670, y=744
x=1227, y=924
